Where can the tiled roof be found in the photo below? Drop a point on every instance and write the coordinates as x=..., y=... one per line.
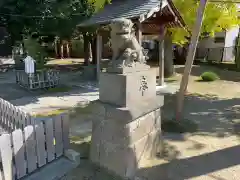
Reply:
x=125, y=9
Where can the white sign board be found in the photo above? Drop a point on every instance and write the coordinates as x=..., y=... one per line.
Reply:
x=29, y=64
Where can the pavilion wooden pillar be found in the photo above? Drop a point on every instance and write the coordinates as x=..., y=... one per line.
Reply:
x=161, y=55
x=139, y=32
x=99, y=54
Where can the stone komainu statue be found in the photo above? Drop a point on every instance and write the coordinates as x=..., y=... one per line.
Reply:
x=127, y=51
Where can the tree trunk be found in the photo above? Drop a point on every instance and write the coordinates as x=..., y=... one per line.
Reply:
x=190, y=58
x=180, y=55
x=62, y=50
x=56, y=48
x=90, y=52
x=86, y=45
x=237, y=52
x=169, y=64
x=94, y=50
x=68, y=49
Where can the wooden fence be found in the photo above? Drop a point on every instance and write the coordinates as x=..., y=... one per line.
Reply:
x=39, y=80
x=28, y=144
x=12, y=117
x=24, y=151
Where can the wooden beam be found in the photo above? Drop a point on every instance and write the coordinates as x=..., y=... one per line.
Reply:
x=161, y=56
x=151, y=33
x=139, y=32
x=160, y=20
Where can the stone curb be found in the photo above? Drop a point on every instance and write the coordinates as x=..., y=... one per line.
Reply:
x=73, y=156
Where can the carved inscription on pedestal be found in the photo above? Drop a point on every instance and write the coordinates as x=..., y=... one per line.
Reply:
x=143, y=85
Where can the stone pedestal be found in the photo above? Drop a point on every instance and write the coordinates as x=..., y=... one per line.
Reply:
x=128, y=124
x=127, y=90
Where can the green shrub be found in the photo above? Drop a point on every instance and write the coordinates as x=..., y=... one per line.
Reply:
x=36, y=51
x=209, y=76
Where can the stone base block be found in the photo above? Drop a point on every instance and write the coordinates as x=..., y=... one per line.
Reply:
x=125, y=161
x=127, y=90
x=125, y=115
x=73, y=156
x=120, y=134
x=122, y=139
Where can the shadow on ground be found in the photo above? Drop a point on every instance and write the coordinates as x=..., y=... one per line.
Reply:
x=197, y=166
x=215, y=117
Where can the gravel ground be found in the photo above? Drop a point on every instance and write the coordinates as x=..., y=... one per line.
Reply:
x=212, y=153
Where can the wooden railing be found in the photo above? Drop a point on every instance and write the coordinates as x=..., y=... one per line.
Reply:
x=27, y=144
x=24, y=151
x=12, y=117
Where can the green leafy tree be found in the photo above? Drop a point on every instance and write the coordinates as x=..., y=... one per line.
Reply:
x=36, y=51
x=89, y=34
x=99, y=4
x=67, y=14
x=56, y=18
x=217, y=17
x=21, y=17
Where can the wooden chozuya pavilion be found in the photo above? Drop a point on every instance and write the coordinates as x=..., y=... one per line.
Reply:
x=151, y=17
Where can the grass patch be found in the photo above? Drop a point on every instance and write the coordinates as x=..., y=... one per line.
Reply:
x=79, y=109
x=209, y=76
x=52, y=113
x=65, y=61
x=59, y=89
x=182, y=126
x=83, y=109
